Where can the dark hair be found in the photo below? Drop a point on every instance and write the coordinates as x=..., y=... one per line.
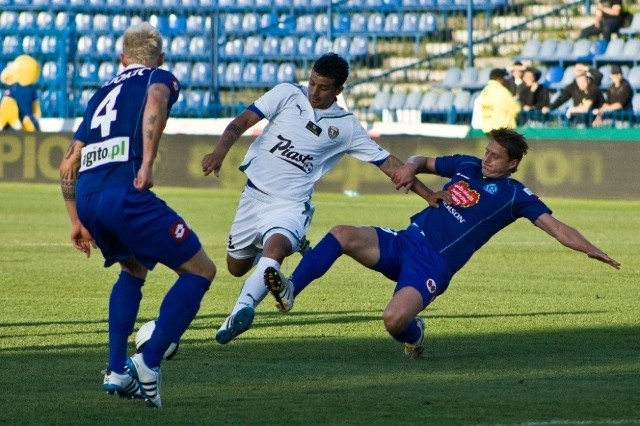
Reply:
x=332, y=65
x=512, y=141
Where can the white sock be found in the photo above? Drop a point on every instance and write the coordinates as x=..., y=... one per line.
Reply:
x=254, y=291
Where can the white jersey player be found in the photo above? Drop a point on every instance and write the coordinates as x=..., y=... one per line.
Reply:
x=306, y=136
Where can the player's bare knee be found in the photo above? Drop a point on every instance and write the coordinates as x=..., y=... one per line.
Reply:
x=394, y=323
x=342, y=233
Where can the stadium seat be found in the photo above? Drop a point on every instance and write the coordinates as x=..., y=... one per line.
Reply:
x=119, y=23
x=633, y=28
x=182, y=71
x=105, y=45
x=233, y=23
x=341, y=45
x=49, y=44
x=375, y=23
x=286, y=72
x=179, y=46
x=553, y=75
x=547, y=49
x=413, y=100
x=233, y=73
x=410, y=23
x=200, y=74
x=469, y=78
x=306, y=46
x=429, y=101
x=107, y=71
x=198, y=46
x=10, y=46
x=341, y=23
x=264, y=4
x=286, y=24
x=323, y=45
x=88, y=72
x=268, y=73
x=249, y=4
x=45, y=20
x=451, y=78
x=26, y=20
x=250, y=73
x=8, y=20
x=428, y=23
x=380, y=102
x=250, y=22
x=568, y=75
x=558, y=54
x=305, y=24
x=83, y=23
x=271, y=46
x=462, y=102
x=101, y=23
x=253, y=46
x=321, y=23
x=50, y=71
x=288, y=47
x=392, y=24
x=358, y=23
x=631, y=51
x=86, y=45
x=582, y=49
x=612, y=52
x=31, y=45
x=634, y=77
x=530, y=50
x=359, y=47
x=483, y=78
x=233, y=48
x=269, y=23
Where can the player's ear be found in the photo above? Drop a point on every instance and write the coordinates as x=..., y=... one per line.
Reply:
x=339, y=90
x=161, y=59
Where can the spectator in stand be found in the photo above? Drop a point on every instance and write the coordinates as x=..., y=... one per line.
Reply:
x=586, y=96
x=618, y=99
x=532, y=97
x=607, y=20
x=515, y=83
x=498, y=108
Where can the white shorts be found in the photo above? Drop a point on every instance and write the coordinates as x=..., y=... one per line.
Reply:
x=260, y=215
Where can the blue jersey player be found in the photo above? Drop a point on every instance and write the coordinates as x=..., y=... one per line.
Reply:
x=423, y=258
x=106, y=176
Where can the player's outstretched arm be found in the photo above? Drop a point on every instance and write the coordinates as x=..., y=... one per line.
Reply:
x=213, y=161
x=570, y=237
x=404, y=176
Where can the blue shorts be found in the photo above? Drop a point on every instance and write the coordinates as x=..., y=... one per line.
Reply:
x=407, y=258
x=127, y=223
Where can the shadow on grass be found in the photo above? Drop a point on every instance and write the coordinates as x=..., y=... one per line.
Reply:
x=569, y=375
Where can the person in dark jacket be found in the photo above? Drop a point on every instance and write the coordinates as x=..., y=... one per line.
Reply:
x=618, y=99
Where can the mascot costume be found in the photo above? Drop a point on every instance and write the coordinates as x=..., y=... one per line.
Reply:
x=19, y=107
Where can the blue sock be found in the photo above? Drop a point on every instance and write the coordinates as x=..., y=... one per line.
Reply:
x=410, y=334
x=316, y=262
x=124, y=304
x=178, y=309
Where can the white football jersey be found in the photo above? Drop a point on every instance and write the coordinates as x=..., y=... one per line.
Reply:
x=301, y=144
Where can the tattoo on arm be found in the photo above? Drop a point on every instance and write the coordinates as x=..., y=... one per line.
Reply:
x=233, y=128
x=70, y=170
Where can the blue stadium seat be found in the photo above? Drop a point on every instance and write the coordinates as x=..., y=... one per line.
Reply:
x=341, y=23
x=105, y=45
x=269, y=73
x=180, y=107
x=264, y=4
x=289, y=47
x=31, y=45
x=553, y=75
x=233, y=48
x=195, y=23
x=633, y=28
x=286, y=25
x=568, y=76
x=49, y=71
x=410, y=23
x=286, y=72
x=321, y=23
x=198, y=45
x=250, y=4
x=634, y=77
x=49, y=103
x=612, y=52
x=233, y=23
x=119, y=23
x=251, y=73
x=269, y=22
x=101, y=22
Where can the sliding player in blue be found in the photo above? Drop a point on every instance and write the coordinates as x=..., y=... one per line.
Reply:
x=423, y=258
x=106, y=177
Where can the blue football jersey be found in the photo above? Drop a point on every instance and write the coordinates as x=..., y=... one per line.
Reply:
x=480, y=208
x=112, y=128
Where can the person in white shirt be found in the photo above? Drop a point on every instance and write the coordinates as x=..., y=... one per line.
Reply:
x=306, y=136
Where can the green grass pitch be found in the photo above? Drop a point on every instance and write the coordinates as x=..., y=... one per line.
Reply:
x=528, y=333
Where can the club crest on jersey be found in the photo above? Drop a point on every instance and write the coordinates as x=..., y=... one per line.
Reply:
x=462, y=195
x=333, y=132
x=179, y=231
x=431, y=285
x=491, y=188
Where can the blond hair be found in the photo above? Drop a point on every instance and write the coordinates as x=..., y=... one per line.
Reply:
x=142, y=44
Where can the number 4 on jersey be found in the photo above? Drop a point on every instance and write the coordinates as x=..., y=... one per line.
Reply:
x=103, y=119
